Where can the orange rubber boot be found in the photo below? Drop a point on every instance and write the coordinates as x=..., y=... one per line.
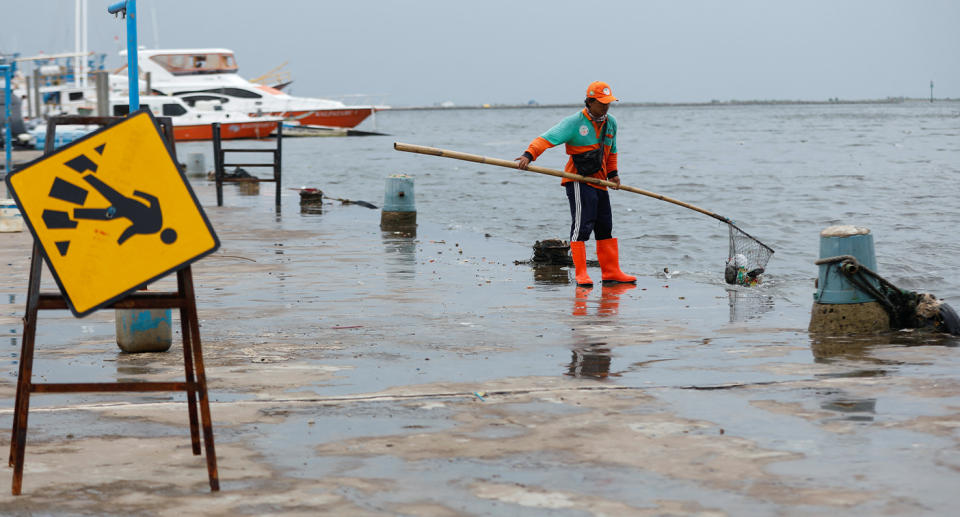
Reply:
x=579, y=252
x=609, y=258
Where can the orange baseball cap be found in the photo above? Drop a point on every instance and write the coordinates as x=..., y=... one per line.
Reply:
x=601, y=91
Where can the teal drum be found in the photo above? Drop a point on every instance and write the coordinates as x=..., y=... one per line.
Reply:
x=399, y=195
x=835, y=241
x=144, y=330
x=399, y=207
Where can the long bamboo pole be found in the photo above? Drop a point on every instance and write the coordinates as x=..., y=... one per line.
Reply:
x=433, y=151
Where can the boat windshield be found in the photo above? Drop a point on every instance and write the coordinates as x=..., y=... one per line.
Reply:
x=196, y=64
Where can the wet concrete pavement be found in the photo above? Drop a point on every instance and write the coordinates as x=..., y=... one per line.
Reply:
x=362, y=372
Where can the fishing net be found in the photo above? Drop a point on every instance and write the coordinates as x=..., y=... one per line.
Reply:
x=746, y=305
x=748, y=259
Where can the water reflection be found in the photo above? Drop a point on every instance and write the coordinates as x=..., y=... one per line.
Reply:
x=856, y=410
x=401, y=250
x=123, y=372
x=249, y=188
x=858, y=347
x=609, y=299
x=594, y=360
x=591, y=360
x=857, y=351
x=580, y=297
x=745, y=305
x=550, y=275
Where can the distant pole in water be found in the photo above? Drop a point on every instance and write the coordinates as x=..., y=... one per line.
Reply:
x=931, y=90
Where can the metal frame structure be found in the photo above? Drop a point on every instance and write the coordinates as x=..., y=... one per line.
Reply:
x=219, y=156
x=183, y=298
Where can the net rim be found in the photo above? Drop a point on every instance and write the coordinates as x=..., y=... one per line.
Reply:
x=753, y=238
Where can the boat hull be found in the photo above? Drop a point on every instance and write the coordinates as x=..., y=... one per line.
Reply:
x=228, y=131
x=348, y=117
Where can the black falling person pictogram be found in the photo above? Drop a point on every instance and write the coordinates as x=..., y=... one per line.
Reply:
x=145, y=219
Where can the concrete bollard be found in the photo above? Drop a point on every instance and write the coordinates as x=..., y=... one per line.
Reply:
x=399, y=203
x=11, y=220
x=196, y=165
x=149, y=330
x=839, y=307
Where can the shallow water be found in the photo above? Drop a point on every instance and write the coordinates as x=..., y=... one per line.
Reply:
x=782, y=173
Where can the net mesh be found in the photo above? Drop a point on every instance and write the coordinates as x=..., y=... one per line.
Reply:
x=748, y=258
x=748, y=305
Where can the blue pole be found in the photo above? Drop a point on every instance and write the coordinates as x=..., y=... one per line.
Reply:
x=132, y=55
x=129, y=8
x=7, y=139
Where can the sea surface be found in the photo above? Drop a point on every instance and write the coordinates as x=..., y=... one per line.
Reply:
x=781, y=172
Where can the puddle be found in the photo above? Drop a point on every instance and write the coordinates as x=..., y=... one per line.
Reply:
x=853, y=374
x=852, y=407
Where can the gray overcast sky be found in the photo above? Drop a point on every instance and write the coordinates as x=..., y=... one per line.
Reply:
x=497, y=51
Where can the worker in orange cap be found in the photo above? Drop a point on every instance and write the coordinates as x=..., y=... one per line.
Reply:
x=591, y=141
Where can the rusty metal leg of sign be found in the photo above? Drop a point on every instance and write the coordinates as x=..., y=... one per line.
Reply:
x=18, y=443
x=188, y=367
x=28, y=333
x=29, y=330
x=201, y=381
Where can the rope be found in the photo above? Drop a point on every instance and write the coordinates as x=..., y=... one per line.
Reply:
x=846, y=263
x=851, y=260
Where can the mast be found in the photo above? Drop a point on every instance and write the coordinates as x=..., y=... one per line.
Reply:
x=76, y=43
x=83, y=50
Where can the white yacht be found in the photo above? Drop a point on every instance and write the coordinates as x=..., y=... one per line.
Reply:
x=211, y=75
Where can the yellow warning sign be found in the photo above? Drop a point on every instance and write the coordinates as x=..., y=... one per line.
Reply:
x=112, y=212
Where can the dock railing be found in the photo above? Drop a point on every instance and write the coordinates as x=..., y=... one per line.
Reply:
x=220, y=165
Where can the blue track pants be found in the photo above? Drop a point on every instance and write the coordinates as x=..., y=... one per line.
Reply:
x=590, y=210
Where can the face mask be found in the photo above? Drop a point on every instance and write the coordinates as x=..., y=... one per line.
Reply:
x=591, y=117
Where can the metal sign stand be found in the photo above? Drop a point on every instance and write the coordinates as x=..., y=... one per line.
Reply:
x=184, y=299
